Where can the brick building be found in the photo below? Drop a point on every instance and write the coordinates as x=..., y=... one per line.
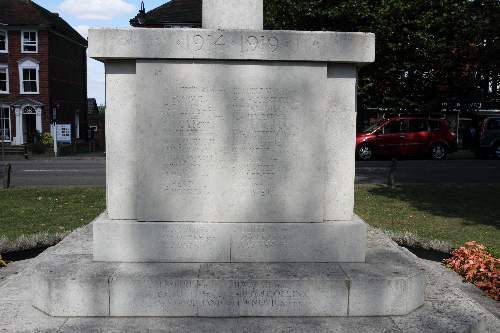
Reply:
x=43, y=73
x=173, y=14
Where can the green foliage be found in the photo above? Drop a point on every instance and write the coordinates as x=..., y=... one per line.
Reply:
x=46, y=139
x=427, y=52
x=3, y=263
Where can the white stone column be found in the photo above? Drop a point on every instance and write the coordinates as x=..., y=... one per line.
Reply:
x=39, y=119
x=120, y=139
x=19, y=127
x=341, y=141
x=233, y=14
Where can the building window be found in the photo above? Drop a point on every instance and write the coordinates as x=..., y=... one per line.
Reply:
x=4, y=79
x=29, y=77
x=29, y=41
x=4, y=41
x=4, y=123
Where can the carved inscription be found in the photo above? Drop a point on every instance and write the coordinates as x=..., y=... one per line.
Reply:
x=252, y=294
x=237, y=295
x=240, y=132
x=192, y=238
x=230, y=142
x=246, y=43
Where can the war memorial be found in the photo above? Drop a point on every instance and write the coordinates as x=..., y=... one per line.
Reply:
x=230, y=192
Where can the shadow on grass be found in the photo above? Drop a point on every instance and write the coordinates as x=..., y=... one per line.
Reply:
x=475, y=204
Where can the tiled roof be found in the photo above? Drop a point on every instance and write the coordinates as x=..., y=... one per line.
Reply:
x=27, y=13
x=174, y=12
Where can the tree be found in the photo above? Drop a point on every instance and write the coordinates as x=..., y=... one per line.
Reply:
x=426, y=51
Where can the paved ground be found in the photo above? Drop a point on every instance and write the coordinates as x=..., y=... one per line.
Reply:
x=448, y=307
x=90, y=170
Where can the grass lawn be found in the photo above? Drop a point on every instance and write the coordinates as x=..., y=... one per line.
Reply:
x=452, y=213
x=34, y=210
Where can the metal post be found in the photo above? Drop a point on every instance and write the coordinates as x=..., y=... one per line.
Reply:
x=6, y=177
x=3, y=149
x=392, y=173
x=2, y=133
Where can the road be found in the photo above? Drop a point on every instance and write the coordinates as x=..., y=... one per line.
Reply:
x=59, y=172
x=427, y=171
x=91, y=171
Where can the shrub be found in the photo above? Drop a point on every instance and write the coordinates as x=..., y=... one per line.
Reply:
x=476, y=265
x=2, y=262
x=46, y=139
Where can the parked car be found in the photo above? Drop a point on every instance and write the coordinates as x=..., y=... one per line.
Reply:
x=489, y=137
x=406, y=136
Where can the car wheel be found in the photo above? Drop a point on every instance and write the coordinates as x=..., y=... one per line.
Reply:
x=365, y=152
x=439, y=151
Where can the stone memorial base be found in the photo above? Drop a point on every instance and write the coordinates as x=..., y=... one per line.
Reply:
x=132, y=241
x=75, y=285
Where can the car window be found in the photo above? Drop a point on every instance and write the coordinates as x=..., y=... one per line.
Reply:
x=494, y=124
x=434, y=125
x=418, y=125
x=397, y=126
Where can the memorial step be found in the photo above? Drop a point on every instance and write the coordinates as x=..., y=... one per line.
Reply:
x=132, y=241
x=387, y=284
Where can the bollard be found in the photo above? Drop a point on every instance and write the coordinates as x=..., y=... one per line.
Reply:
x=26, y=151
x=6, y=175
x=392, y=173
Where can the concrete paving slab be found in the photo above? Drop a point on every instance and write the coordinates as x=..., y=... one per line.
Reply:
x=442, y=312
x=72, y=285
x=22, y=317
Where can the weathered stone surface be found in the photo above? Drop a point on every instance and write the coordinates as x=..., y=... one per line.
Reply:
x=384, y=288
x=72, y=285
x=272, y=290
x=339, y=241
x=340, y=141
x=447, y=309
x=128, y=241
x=231, y=142
x=233, y=14
x=343, y=47
x=22, y=317
x=154, y=290
x=121, y=158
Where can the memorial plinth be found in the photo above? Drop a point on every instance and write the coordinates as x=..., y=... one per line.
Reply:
x=218, y=128
x=230, y=178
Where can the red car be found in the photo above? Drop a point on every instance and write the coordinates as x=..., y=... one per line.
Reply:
x=406, y=136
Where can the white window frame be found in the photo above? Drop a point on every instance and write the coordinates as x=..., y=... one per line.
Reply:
x=6, y=41
x=22, y=41
x=29, y=64
x=6, y=106
x=6, y=67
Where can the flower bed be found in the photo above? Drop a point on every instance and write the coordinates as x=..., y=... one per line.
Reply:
x=478, y=266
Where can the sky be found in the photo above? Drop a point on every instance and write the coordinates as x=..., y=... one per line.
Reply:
x=85, y=14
